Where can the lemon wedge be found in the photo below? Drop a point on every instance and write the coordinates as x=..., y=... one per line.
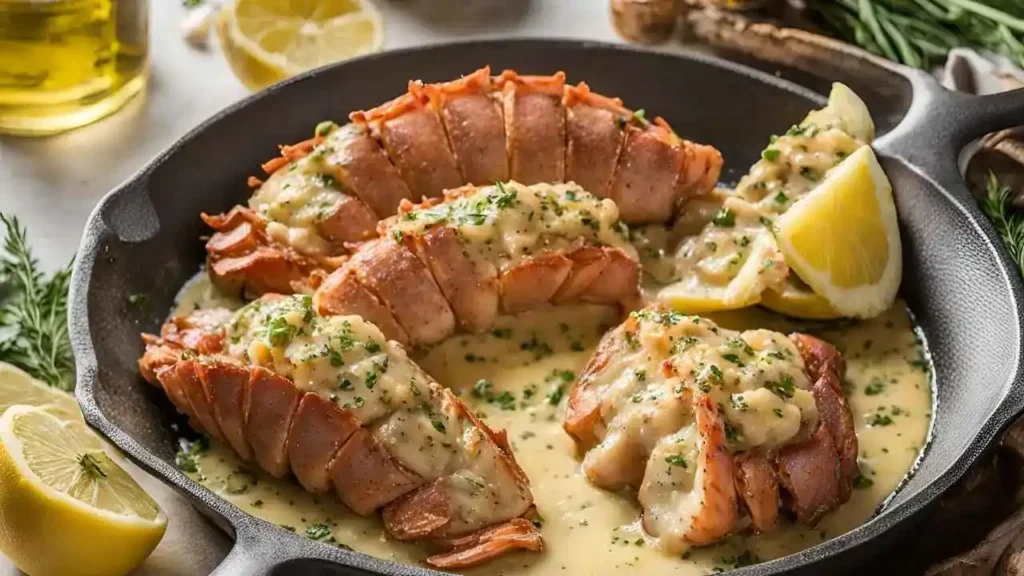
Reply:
x=797, y=300
x=266, y=41
x=843, y=240
x=845, y=110
x=18, y=387
x=65, y=506
x=694, y=298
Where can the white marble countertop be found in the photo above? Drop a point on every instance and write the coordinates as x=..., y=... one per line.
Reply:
x=52, y=184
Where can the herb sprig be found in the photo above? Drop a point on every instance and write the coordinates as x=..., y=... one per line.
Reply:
x=1010, y=225
x=33, y=312
x=920, y=33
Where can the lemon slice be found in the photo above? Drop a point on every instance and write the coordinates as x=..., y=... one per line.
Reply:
x=65, y=506
x=18, y=387
x=266, y=41
x=797, y=300
x=843, y=240
x=695, y=298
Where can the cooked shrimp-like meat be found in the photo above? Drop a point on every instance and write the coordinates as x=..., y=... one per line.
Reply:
x=244, y=260
x=328, y=192
x=345, y=410
x=479, y=252
x=712, y=426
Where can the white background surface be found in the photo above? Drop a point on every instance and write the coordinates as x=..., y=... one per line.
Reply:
x=52, y=184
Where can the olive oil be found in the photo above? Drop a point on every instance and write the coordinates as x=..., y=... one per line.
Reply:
x=66, y=63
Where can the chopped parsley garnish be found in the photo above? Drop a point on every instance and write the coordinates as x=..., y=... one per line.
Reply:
x=356, y=402
x=503, y=333
x=734, y=359
x=770, y=154
x=741, y=344
x=715, y=372
x=325, y=180
x=318, y=532
x=683, y=344
x=372, y=347
x=724, y=218
x=732, y=433
x=676, y=460
x=784, y=388
x=482, y=388
x=862, y=482
x=505, y=198
x=809, y=173
x=187, y=457
x=529, y=391
x=875, y=387
x=370, y=380
x=554, y=395
x=798, y=130
x=739, y=404
x=565, y=376
x=539, y=348
x=324, y=128
x=878, y=419
x=506, y=400
x=438, y=425
x=781, y=198
x=280, y=332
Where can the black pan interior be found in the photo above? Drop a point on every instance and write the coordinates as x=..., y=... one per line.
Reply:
x=145, y=239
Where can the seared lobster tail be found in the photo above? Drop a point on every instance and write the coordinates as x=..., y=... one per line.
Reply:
x=460, y=262
x=733, y=424
x=325, y=194
x=389, y=439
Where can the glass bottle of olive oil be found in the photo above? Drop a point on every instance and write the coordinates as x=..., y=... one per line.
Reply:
x=66, y=63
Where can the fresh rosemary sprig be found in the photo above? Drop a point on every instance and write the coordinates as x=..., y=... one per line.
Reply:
x=920, y=33
x=1010, y=225
x=33, y=312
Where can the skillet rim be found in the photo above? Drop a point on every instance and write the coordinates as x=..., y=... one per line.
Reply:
x=246, y=527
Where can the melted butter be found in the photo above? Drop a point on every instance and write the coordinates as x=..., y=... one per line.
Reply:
x=588, y=530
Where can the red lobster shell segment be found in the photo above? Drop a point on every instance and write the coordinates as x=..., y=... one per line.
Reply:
x=325, y=194
x=333, y=403
x=714, y=427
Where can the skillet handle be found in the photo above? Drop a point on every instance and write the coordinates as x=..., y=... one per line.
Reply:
x=940, y=123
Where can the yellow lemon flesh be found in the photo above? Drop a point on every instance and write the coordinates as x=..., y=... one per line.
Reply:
x=18, y=387
x=266, y=41
x=797, y=300
x=843, y=240
x=65, y=507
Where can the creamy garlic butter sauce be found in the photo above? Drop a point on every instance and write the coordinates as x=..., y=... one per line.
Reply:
x=506, y=223
x=518, y=374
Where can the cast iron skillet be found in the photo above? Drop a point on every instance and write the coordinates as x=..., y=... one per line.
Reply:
x=965, y=293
